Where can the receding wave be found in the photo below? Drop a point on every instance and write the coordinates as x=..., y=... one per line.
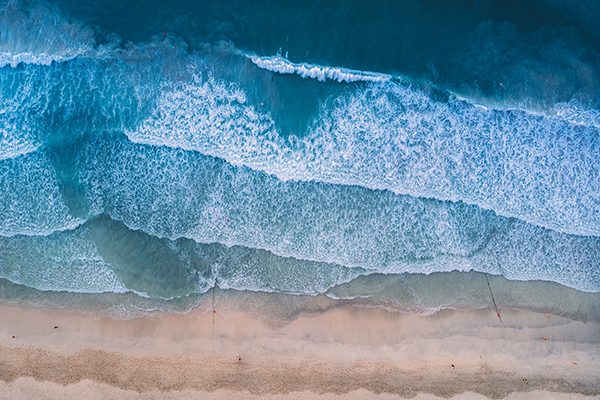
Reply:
x=411, y=293
x=173, y=193
x=425, y=295
x=105, y=256
x=321, y=73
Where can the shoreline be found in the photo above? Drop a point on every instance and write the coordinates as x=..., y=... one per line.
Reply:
x=344, y=352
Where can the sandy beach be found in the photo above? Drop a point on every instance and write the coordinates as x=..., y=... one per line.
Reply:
x=347, y=353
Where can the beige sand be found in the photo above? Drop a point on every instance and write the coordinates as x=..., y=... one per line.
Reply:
x=356, y=353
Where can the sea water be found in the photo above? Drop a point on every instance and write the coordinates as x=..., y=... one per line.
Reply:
x=295, y=157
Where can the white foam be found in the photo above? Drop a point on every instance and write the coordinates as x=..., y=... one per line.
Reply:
x=31, y=202
x=321, y=73
x=174, y=193
x=40, y=36
x=10, y=59
x=242, y=268
x=63, y=261
x=575, y=113
x=19, y=125
x=15, y=151
x=206, y=191
x=538, y=168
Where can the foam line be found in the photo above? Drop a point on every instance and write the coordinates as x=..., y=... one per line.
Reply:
x=40, y=36
x=321, y=73
x=12, y=60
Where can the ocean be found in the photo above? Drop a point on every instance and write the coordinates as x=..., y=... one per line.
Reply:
x=287, y=158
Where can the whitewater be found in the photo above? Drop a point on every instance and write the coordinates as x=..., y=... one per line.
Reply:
x=156, y=169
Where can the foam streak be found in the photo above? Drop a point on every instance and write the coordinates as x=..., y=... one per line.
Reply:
x=321, y=73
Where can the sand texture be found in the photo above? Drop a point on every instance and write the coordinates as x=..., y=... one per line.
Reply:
x=356, y=353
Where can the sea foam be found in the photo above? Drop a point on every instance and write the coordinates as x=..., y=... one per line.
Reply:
x=31, y=201
x=538, y=168
x=388, y=178
x=63, y=261
x=40, y=36
x=321, y=73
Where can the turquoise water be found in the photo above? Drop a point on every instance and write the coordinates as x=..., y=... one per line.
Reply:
x=321, y=154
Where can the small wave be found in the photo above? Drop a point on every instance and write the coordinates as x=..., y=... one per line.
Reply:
x=30, y=58
x=63, y=261
x=40, y=36
x=321, y=73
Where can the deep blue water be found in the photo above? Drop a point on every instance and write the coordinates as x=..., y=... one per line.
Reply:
x=320, y=153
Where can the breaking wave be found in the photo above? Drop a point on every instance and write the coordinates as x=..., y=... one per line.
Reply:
x=321, y=73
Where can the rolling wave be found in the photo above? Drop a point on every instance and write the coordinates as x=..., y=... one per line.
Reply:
x=139, y=167
x=320, y=73
x=104, y=255
x=393, y=136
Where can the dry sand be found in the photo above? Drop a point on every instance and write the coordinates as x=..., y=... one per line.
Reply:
x=348, y=353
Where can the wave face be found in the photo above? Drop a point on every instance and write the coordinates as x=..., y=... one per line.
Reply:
x=147, y=157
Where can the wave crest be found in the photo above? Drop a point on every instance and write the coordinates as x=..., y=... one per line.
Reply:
x=40, y=36
x=321, y=73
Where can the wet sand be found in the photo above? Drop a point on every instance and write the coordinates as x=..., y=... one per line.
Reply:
x=353, y=352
